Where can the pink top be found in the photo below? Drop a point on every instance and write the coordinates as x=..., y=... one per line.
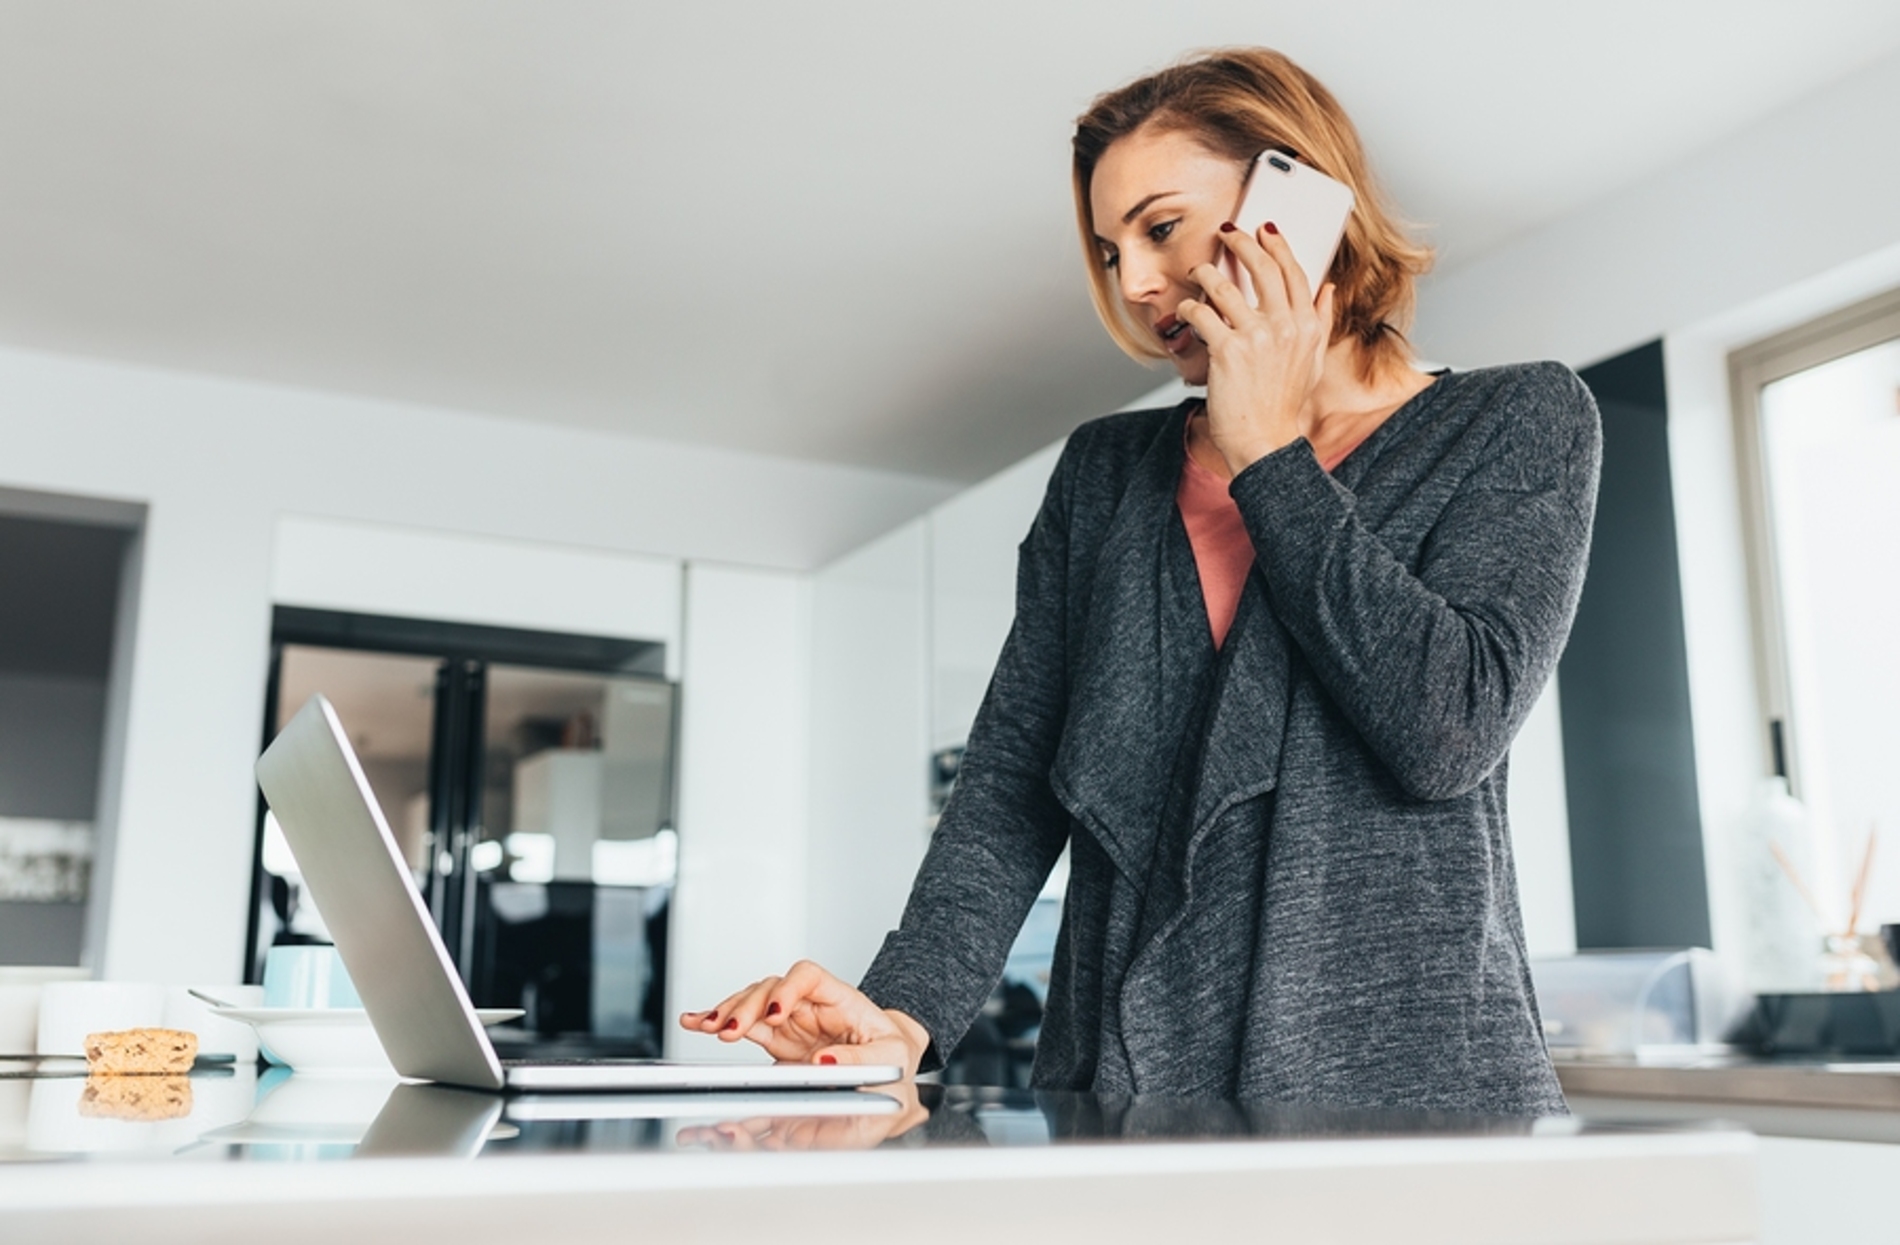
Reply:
x=1223, y=552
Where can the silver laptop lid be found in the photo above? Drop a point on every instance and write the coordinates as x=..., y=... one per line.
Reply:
x=356, y=875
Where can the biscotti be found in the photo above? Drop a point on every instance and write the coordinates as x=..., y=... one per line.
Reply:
x=141, y=1098
x=141, y=1052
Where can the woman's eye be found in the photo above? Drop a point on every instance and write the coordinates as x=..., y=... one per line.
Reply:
x=1110, y=259
x=1159, y=233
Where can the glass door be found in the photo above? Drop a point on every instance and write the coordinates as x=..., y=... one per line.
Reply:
x=533, y=805
x=574, y=863
x=387, y=703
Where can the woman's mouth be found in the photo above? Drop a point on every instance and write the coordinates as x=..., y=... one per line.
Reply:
x=1174, y=334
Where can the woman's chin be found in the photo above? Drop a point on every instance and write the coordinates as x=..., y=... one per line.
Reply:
x=1191, y=367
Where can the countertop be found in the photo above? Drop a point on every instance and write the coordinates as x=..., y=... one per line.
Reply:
x=290, y=1159
x=1859, y=1085
x=1836, y=1100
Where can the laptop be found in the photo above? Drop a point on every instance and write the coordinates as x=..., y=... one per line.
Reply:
x=415, y=999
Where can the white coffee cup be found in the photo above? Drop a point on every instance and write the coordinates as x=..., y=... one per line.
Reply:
x=216, y=1035
x=20, y=989
x=15, y=1095
x=69, y=1010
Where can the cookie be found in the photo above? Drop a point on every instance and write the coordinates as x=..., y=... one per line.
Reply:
x=141, y=1052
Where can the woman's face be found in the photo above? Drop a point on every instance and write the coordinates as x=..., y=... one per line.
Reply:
x=1158, y=199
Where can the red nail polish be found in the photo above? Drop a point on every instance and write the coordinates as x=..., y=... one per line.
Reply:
x=827, y=1059
x=772, y=1010
x=1272, y=228
x=732, y=1024
x=713, y=1014
x=1227, y=226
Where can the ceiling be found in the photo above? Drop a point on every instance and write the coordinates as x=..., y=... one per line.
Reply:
x=834, y=231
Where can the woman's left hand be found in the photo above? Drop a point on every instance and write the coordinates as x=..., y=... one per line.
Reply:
x=1262, y=362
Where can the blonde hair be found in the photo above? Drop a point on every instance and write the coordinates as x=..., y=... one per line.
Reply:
x=1237, y=102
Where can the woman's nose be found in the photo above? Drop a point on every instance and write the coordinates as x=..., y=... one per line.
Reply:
x=1141, y=279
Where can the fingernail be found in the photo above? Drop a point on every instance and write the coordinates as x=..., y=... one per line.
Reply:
x=827, y=1059
x=713, y=1014
x=1227, y=226
x=1272, y=228
x=772, y=1009
x=732, y=1024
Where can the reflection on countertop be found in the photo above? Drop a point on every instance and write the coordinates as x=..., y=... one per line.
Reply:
x=237, y=1115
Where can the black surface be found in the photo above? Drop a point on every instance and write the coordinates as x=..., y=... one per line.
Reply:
x=59, y=596
x=1846, y=1023
x=546, y=965
x=455, y=799
x=505, y=645
x=1629, y=757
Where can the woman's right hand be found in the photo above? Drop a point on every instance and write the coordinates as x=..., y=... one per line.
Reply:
x=809, y=1016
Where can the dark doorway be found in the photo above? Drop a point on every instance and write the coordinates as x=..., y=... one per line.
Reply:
x=64, y=570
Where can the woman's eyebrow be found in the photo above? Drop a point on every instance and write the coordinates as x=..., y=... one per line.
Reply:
x=1135, y=211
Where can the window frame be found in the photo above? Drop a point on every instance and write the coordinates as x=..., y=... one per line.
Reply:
x=1872, y=322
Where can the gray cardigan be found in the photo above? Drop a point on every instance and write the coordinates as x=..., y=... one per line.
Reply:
x=1291, y=871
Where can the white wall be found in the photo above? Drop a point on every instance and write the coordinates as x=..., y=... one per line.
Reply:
x=1773, y=226
x=907, y=631
x=870, y=744
x=973, y=542
x=371, y=568
x=220, y=462
x=740, y=910
x=1540, y=830
x=1796, y=195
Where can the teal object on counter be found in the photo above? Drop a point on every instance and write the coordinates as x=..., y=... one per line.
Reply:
x=307, y=977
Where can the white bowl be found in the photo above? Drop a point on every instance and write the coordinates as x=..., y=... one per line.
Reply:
x=330, y=1041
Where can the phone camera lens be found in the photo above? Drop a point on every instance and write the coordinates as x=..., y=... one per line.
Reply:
x=1280, y=164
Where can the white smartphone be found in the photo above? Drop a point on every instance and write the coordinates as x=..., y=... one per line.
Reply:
x=1306, y=206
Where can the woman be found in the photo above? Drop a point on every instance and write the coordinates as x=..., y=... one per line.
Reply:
x=1270, y=652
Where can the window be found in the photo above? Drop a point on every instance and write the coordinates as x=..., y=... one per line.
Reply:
x=1818, y=413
